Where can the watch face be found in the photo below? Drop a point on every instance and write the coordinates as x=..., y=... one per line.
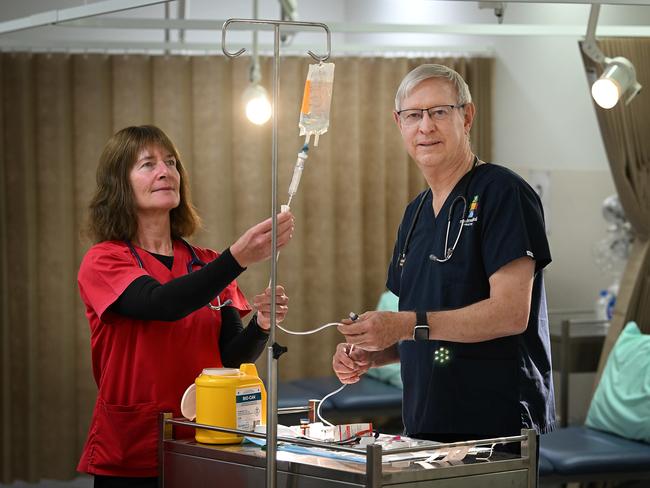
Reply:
x=421, y=333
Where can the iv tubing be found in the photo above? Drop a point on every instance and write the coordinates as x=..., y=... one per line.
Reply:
x=320, y=404
x=353, y=316
x=307, y=332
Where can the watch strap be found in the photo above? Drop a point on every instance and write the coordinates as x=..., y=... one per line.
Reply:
x=421, y=330
x=421, y=318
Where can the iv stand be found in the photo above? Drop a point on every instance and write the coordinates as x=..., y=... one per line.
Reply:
x=274, y=350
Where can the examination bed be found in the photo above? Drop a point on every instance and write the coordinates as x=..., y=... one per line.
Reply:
x=614, y=442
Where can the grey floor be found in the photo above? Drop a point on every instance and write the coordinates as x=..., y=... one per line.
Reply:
x=81, y=482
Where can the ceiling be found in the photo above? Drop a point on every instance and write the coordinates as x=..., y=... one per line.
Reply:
x=194, y=26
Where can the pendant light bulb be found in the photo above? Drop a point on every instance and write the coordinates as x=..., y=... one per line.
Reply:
x=258, y=107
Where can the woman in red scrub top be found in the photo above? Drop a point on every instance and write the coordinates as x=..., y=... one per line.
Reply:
x=160, y=310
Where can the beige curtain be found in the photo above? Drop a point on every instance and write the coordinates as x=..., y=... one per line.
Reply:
x=57, y=112
x=625, y=130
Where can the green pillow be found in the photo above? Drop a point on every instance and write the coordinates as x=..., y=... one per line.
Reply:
x=388, y=301
x=621, y=404
x=389, y=373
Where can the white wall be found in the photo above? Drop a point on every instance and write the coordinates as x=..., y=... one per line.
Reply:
x=573, y=279
x=544, y=119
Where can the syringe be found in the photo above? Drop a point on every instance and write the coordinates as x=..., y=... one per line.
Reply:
x=297, y=173
x=293, y=186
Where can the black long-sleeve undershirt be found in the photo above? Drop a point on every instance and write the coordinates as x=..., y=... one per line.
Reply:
x=146, y=299
x=238, y=344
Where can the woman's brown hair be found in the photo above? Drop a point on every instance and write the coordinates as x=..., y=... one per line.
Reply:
x=112, y=208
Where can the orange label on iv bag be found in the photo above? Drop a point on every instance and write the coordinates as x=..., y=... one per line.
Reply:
x=305, y=98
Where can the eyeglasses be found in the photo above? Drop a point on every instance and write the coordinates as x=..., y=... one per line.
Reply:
x=413, y=116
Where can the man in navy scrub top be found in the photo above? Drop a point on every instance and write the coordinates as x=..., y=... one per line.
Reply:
x=471, y=333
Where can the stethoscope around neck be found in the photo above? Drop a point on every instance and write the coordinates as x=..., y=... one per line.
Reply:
x=448, y=251
x=192, y=263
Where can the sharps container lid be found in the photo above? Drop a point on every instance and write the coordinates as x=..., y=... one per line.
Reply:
x=221, y=372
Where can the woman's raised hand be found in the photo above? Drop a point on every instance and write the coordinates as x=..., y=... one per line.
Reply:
x=255, y=244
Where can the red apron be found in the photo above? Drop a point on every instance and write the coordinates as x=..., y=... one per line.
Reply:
x=142, y=367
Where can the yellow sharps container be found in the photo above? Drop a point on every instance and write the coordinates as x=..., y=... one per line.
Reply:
x=231, y=398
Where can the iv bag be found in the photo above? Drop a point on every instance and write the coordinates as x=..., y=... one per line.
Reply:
x=316, y=101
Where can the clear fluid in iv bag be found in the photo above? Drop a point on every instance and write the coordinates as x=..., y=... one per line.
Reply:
x=317, y=98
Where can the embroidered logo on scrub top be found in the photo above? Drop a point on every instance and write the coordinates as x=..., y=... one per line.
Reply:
x=473, y=210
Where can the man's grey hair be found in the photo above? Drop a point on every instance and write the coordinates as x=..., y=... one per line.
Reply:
x=426, y=71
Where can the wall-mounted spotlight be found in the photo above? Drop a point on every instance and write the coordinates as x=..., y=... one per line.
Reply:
x=258, y=107
x=619, y=76
x=618, y=79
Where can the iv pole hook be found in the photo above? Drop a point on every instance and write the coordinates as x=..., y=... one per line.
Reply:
x=278, y=23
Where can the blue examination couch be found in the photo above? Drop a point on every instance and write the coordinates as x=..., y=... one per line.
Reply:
x=369, y=400
x=581, y=454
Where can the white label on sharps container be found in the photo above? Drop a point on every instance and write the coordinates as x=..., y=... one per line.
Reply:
x=249, y=407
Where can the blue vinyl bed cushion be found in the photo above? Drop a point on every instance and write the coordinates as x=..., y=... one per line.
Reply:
x=580, y=451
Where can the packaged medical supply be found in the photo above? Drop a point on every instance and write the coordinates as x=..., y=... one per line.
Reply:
x=334, y=433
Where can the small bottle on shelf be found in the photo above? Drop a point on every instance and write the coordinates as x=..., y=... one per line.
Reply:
x=602, y=305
